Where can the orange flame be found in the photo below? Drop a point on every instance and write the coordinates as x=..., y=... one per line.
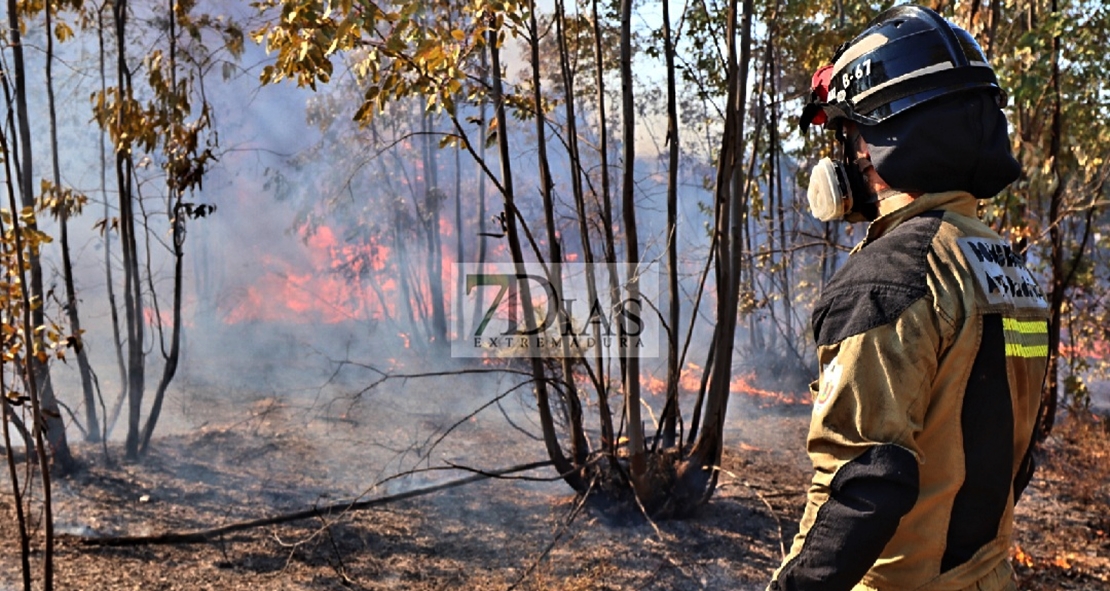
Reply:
x=653, y=385
x=742, y=385
x=690, y=381
x=318, y=288
x=1019, y=556
x=690, y=378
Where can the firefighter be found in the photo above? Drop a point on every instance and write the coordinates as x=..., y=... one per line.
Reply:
x=932, y=338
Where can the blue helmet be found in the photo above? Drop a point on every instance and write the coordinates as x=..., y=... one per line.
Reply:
x=907, y=56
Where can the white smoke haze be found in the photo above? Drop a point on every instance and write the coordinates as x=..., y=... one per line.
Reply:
x=276, y=339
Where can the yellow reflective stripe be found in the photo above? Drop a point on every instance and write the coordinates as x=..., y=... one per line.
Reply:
x=1025, y=338
x=1019, y=350
x=1025, y=326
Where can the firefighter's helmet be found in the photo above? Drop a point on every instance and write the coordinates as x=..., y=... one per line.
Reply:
x=907, y=56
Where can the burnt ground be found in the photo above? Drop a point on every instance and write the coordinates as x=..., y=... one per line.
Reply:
x=495, y=534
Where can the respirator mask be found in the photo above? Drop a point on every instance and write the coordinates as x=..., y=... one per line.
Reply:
x=837, y=190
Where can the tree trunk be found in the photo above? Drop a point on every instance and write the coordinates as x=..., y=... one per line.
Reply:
x=172, y=359
x=636, y=448
x=177, y=213
x=571, y=405
x=482, y=231
x=55, y=428
x=1051, y=394
x=460, y=255
x=547, y=423
x=433, y=201
x=32, y=346
x=8, y=416
x=132, y=284
x=671, y=412
x=698, y=472
x=606, y=195
x=117, y=342
x=92, y=426
x=605, y=417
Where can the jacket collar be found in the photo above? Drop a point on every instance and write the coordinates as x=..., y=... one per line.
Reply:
x=960, y=202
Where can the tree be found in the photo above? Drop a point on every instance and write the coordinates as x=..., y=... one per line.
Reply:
x=23, y=157
x=1048, y=57
x=165, y=129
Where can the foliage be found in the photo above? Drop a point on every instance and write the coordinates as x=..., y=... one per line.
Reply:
x=1049, y=56
x=403, y=50
x=16, y=349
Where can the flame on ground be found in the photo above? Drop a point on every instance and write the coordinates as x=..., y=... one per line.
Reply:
x=689, y=381
x=1020, y=557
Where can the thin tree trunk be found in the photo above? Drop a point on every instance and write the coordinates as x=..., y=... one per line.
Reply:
x=9, y=416
x=176, y=211
x=483, y=127
x=174, y=356
x=433, y=198
x=670, y=415
x=92, y=426
x=785, y=259
x=638, y=462
x=460, y=255
x=31, y=350
x=606, y=193
x=132, y=285
x=707, y=450
x=551, y=441
x=1050, y=396
x=605, y=417
x=55, y=428
x=117, y=342
x=571, y=404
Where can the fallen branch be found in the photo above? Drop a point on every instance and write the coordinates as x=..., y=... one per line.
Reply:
x=205, y=535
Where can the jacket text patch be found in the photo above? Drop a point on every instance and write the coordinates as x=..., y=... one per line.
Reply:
x=1002, y=274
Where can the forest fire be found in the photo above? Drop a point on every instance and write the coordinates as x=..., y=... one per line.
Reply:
x=325, y=286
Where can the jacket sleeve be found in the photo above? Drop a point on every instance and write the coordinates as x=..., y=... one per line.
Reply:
x=869, y=406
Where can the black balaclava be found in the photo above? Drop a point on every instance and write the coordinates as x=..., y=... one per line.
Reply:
x=958, y=142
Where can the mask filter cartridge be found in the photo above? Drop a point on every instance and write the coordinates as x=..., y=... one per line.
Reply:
x=830, y=192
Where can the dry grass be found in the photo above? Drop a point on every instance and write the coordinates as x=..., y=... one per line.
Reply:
x=1063, y=523
x=501, y=535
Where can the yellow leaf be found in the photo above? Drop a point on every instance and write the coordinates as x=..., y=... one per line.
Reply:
x=458, y=35
x=62, y=31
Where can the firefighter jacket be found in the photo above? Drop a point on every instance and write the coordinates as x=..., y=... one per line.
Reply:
x=933, y=343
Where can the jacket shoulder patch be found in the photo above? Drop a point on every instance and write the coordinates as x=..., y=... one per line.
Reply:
x=878, y=282
x=1001, y=274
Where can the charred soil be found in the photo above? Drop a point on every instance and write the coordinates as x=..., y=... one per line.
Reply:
x=498, y=534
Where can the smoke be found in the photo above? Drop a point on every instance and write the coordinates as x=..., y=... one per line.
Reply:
x=295, y=304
